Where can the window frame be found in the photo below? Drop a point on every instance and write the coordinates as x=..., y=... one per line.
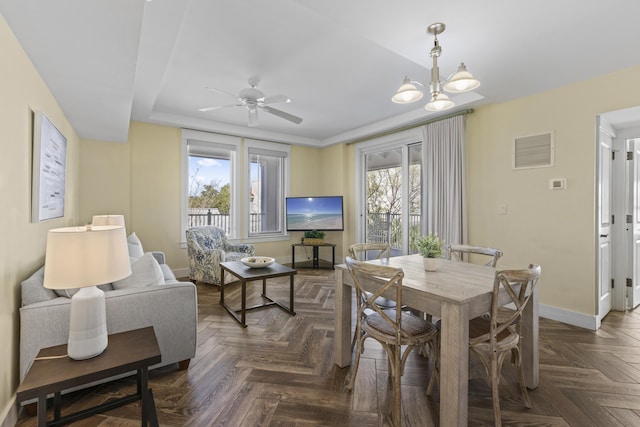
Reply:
x=277, y=150
x=204, y=141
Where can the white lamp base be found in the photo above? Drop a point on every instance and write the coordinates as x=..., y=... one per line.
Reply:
x=87, y=324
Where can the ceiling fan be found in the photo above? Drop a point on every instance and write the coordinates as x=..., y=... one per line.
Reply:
x=253, y=99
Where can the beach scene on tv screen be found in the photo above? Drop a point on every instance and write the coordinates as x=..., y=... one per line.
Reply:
x=314, y=213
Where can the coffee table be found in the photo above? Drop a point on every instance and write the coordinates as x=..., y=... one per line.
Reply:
x=126, y=352
x=246, y=274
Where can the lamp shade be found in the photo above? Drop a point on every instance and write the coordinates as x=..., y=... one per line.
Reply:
x=439, y=102
x=461, y=81
x=407, y=93
x=78, y=257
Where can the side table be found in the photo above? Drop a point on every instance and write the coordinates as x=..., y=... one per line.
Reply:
x=246, y=274
x=126, y=352
x=316, y=256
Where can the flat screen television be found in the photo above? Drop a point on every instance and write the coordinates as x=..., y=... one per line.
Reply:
x=314, y=213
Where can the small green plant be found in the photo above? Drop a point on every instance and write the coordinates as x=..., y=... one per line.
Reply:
x=429, y=246
x=314, y=234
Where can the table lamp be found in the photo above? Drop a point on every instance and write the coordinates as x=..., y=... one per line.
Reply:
x=84, y=257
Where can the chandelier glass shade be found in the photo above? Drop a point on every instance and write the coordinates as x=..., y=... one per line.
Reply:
x=458, y=82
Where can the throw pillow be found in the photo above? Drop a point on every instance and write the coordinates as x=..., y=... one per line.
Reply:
x=145, y=271
x=34, y=291
x=135, y=246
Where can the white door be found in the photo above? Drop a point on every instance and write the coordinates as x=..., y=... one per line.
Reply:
x=633, y=147
x=605, y=150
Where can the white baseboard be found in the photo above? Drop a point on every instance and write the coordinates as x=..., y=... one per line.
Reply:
x=9, y=416
x=569, y=317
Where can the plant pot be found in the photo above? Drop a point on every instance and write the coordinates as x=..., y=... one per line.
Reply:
x=430, y=264
x=313, y=241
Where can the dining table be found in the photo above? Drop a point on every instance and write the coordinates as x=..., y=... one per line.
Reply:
x=455, y=293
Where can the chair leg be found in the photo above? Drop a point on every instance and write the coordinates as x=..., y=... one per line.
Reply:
x=523, y=387
x=397, y=387
x=354, y=369
x=495, y=396
x=435, y=356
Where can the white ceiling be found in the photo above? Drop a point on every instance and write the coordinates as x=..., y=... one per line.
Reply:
x=111, y=61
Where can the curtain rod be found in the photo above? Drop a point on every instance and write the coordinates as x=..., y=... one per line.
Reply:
x=412, y=126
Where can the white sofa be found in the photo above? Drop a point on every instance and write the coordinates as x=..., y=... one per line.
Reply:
x=170, y=306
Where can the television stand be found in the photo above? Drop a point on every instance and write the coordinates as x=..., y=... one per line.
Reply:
x=316, y=250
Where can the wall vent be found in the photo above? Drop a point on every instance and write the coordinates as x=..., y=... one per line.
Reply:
x=533, y=151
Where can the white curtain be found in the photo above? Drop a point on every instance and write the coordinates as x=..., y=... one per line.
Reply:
x=444, y=178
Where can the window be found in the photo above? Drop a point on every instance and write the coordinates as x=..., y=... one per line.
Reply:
x=210, y=181
x=217, y=192
x=268, y=186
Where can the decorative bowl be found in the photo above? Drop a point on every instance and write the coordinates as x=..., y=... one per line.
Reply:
x=257, y=261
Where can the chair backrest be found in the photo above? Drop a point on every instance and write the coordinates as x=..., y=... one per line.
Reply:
x=386, y=278
x=519, y=286
x=369, y=251
x=458, y=252
x=208, y=236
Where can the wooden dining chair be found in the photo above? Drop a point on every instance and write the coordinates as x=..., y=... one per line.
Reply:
x=492, y=337
x=368, y=252
x=394, y=329
x=459, y=252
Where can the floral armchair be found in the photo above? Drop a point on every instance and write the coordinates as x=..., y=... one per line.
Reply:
x=207, y=247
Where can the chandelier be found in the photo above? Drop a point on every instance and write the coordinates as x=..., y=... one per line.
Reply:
x=458, y=82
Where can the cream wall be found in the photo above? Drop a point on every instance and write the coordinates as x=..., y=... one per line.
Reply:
x=105, y=187
x=141, y=179
x=553, y=228
x=23, y=243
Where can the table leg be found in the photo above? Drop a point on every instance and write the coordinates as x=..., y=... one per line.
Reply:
x=293, y=256
x=42, y=411
x=243, y=309
x=333, y=257
x=143, y=374
x=291, y=292
x=57, y=403
x=454, y=365
x=222, y=286
x=530, y=353
x=342, y=337
x=153, y=415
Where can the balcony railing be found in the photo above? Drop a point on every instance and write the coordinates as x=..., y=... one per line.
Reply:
x=386, y=227
x=382, y=227
x=200, y=217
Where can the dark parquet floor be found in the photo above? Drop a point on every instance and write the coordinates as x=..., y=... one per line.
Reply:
x=280, y=372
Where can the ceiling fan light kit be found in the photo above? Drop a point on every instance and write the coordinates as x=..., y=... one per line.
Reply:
x=458, y=82
x=253, y=99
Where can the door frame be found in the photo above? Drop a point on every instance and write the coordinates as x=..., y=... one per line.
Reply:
x=622, y=124
x=387, y=142
x=602, y=126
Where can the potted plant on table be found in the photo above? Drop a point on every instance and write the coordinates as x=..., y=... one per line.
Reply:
x=313, y=237
x=430, y=247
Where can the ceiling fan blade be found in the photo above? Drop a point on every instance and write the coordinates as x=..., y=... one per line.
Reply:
x=212, y=89
x=282, y=114
x=276, y=99
x=219, y=106
x=253, y=117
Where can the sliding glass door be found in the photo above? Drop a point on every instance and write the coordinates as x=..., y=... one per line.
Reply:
x=393, y=196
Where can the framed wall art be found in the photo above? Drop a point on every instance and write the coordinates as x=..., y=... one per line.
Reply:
x=49, y=169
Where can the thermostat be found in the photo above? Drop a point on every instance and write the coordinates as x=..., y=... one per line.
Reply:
x=557, y=183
